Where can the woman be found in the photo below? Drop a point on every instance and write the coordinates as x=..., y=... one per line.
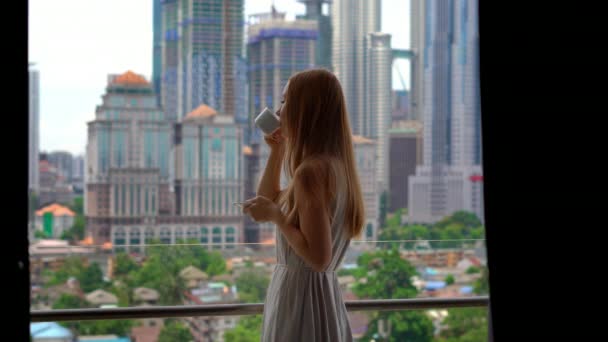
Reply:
x=316, y=215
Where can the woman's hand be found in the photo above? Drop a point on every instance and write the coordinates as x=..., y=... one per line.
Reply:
x=275, y=141
x=262, y=209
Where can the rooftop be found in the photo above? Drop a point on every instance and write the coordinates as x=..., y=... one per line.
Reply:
x=49, y=330
x=201, y=112
x=130, y=78
x=357, y=139
x=56, y=210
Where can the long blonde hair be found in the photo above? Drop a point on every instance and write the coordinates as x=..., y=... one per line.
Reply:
x=315, y=122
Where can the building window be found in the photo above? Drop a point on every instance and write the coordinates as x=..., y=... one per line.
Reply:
x=192, y=233
x=149, y=235
x=179, y=235
x=217, y=237
x=204, y=235
x=119, y=237
x=369, y=231
x=134, y=236
x=165, y=235
x=216, y=145
x=230, y=237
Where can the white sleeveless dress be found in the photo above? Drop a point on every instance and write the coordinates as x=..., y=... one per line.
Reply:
x=304, y=305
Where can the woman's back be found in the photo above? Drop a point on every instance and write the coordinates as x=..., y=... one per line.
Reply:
x=304, y=305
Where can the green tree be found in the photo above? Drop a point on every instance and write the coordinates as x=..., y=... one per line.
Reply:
x=100, y=327
x=72, y=266
x=39, y=234
x=395, y=220
x=91, y=278
x=383, y=208
x=66, y=301
x=482, y=285
x=106, y=327
x=458, y=226
x=400, y=233
x=125, y=266
x=464, y=218
x=252, y=286
x=248, y=329
x=76, y=232
x=388, y=276
x=405, y=325
x=472, y=270
x=77, y=205
x=174, y=331
x=449, y=280
x=161, y=271
x=466, y=325
x=215, y=264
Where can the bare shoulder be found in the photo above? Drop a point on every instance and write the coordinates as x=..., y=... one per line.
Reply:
x=316, y=171
x=316, y=178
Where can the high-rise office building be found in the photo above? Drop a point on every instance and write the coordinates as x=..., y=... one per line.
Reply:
x=352, y=22
x=276, y=49
x=78, y=174
x=209, y=178
x=203, y=59
x=450, y=178
x=64, y=162
x=362, y=61
x=314, y=11
x=365, y=158
x=377, y=117
x=157, y=39
x=417, y=41
x=405, y=154
x=401, y=105
x=127, y=175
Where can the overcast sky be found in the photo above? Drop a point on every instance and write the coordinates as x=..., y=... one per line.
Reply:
x=77, y=43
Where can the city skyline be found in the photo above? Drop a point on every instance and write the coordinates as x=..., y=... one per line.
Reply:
x=74, y=64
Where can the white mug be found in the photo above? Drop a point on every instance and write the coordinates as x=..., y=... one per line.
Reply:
x=267, y=121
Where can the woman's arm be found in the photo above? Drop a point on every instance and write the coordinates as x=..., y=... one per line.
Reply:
x=312, y=239
x=269, y=186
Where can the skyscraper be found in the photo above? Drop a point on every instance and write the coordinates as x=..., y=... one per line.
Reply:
x=34, y=126
x=401, y=105
x=78, y=174
x=209, y=178
x=365, y=158
x=417, y=40
x=405, y=154
x=450, y=178
x=152, y=178
x=362, y=61
x=157, y=35
x=203, y=57
x=352, y=22
x=127, y=175
x=276, y=49
x=377, y=117
x=63, y=161
x=314, y=11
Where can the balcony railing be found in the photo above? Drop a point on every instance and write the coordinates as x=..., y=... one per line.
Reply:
x=245, y=309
